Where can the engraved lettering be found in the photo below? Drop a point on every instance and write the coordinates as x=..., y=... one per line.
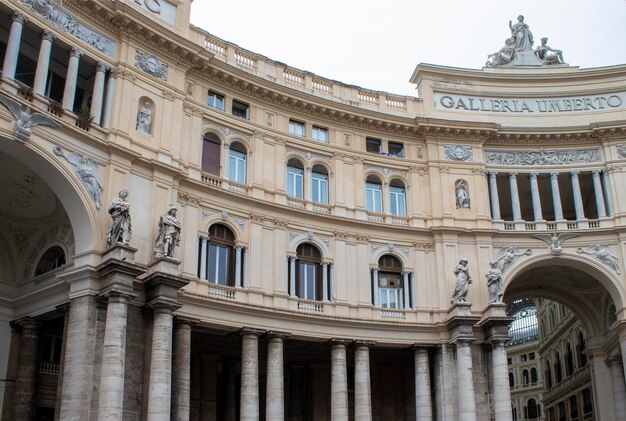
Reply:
x=461, y=104
x=617, y=104
x=447, y=101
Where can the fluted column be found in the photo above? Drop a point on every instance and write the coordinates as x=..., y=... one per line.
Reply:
x=24, y=404
x=275, y=393
x=556, y=196
x=501, y=390
x=517, y=213
x=249, y=395
x=597, y=188
x=607, y=193
x=578, y=198
x=493, y=194
x=97, y=98
x=69, y=91
x=338, y=382
x=111, y=398
x=110, y=97
x=292, y=276
x=181, y=372
x=423, y=404
x=43, y=63
x=375, y=287
x=362, y=387
x=160, y=389
x=619, y=388
x=13, y=46
x=465, y=382
x=534, y=190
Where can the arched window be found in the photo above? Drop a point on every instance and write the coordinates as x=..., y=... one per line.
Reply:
x=211, y=154
x=548, y=374
x=569, y=361
x=581, y=347
x=533, y=375
x=532, y=409
x=525, y=377
x=373, y=194
x=397, y=198
x=319, y=184
x=390, y=282
x=558, y=372
x=217, y=258
x=295, y=179
x=308, y=272
x=52, y=259
x=237, y=163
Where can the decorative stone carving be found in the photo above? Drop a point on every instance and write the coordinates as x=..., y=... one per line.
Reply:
x=543, y=157
x=86, y=170
x=503, y=56
x=224, y=215
x=548, y=55
x=621, y=150
x=463, y=279
x=24, y=120
x=144, y=119
x=507, y=256
x=150, y=64
x=494, y=285
x=169, y=234
x=458, y=152
x=119, y=209
x=307, y=155
x=227, y=131
x=521, y=35
x=554, y=241
x=53, y=13
x=462, y=194
x=385, y=171
x=602, y=252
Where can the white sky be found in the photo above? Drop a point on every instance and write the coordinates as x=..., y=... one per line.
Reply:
x=377, y=44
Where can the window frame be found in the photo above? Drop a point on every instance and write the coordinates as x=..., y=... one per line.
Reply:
x=369, y=141
x=390, y=268
x=313, y=261
x=216, y=96
x=241, y=106
x=399, y=154
x=375, y=191
x=238, y=158
x=295, y=180
x=397, y=194
x=220, y=239
x=297, y=128
x=316, y=130
x=319, y=187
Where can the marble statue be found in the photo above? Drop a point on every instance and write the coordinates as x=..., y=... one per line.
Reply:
x=554, y=241
x=119, y=209
x=504, y=55
x=463, y=279
x=494, y=285
x=548, y=55
x=144, y=118
x=521, y=34
x=506, y=257
x=602, y=252
x=462, y=197
x=169, y=234
x=24, y=120
x=86, y=170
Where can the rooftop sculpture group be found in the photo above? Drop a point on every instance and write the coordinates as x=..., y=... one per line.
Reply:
x=518, y=49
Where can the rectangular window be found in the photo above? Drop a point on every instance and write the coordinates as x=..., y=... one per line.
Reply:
x=237, y=167
x=241, y=109
x=218, y=264
x=531, y=356
x=307, y=281
x=319, y=188
x=216, y=100
x=373, y=196
x=398, y=201
x=390, y=288
x=294, y=182
x=320, y=134
x=296, y=128
x=373, y=145
x=396, y=149
x=523, y=357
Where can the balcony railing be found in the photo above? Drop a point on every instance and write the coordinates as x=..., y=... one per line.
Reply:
x=49, y=368
x=588, y=224
x=219, y=291
x=310, y=306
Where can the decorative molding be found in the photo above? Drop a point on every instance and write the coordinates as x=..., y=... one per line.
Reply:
x=603, y=253
x=86, y=169
x=226, y=131
x=52, y=12
x=307, y=155
x=458, y=152
x=543, y=157
x=169, y=95
x=150, y=64
x=24, y=120
x=621, y=150
x=507, y=256
x=385, y=171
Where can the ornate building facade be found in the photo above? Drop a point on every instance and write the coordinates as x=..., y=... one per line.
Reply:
x=295, y=241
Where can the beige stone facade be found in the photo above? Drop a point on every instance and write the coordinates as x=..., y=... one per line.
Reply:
x=321, y=223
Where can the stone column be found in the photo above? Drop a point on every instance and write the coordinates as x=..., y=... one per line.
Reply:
x=501, y=390
x=423, y=404
x=244, y=277
x=43, y=63
x=160, y=389
x=597, y=188
x=12, y=372
x=607, y=193
x=275, y=393
x=111, y=398
x=69, y=91
x=338, y=382
x=375, y=287
x=308, y=184
x=97, y=97
x=534, y=190
x=181, y=371
x=292, y=276
x=622, y=343
x=465, y=381
x=324, y=281
x=226, y=161
x=24, y=404
x=13, y=46
x=405, y=290
x=238, y=250
x=619, y=388
x=556, y=196
x=331, y=283
x=249, y=395
x=493, y=194
x=578, y=199
x=362, y=387
x=203, y=247
x=517, y=213
x=110, y=97
x=386, y=199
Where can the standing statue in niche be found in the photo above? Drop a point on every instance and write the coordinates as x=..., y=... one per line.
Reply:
x=521, y=34
x=119, y=209
x=548, y=55
x=463, y=279
x=494, y=285
x=462, y=197
x=169, y=234
x=144, y=119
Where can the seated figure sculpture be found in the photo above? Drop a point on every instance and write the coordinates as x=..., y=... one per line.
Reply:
x=503, y=56
x=548, y=55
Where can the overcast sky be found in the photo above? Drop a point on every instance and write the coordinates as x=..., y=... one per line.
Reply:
x=377, y=44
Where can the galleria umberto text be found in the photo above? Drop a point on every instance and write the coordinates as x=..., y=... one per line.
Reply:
x=193, y=231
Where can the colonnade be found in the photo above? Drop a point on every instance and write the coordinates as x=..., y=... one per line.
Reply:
x=100, y=92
